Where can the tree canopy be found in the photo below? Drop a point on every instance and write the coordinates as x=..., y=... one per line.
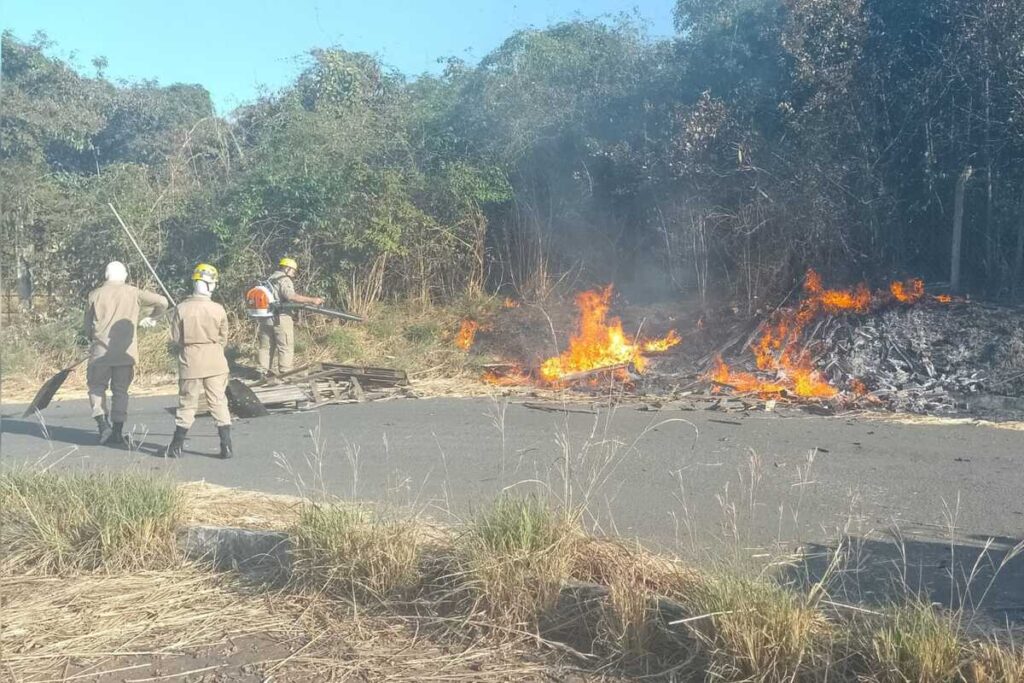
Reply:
x=765, y=137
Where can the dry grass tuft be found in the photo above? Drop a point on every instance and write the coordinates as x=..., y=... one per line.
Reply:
x=630, y=625
x=753, y=629
x=350, y=552
x=916, y=642
x=991, y=662
x=57, y=523
x=514, y=558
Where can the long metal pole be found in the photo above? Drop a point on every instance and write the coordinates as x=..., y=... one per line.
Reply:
x=142, y=254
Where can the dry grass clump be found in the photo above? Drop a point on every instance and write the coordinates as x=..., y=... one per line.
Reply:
x=991, y=662
x=754, y=629
x=56, y=523
x=350, y=552
x=630, y=624
x=514, y=558
x=914, y=642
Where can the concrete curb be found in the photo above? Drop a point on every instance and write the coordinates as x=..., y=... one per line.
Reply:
x=244, y=550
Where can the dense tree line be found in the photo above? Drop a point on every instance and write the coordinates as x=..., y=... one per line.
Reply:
x=765, y=137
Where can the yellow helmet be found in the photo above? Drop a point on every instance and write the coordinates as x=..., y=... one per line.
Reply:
x=287, y=262
x=206, y=273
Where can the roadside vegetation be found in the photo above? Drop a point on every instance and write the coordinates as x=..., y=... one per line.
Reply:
x=413, y=337
x=518, y=589
x=703, y=162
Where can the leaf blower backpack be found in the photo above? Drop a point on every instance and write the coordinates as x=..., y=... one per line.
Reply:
x=261, y=301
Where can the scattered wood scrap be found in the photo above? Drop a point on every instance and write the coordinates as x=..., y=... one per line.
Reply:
x=320, y=384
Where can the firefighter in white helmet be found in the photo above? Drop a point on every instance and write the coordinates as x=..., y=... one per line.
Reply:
x=277, y=332
x=111, y=320
x=199, y=331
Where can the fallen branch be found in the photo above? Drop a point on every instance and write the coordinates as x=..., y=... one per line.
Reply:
x=556, y=408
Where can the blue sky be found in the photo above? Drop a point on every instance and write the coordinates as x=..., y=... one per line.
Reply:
x=236, y=47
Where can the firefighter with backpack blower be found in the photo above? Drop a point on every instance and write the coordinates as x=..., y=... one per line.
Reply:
x=277, y=331
x=271, y=303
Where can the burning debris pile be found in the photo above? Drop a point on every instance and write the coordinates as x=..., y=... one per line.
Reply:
x=898, y=348
x=901, y=349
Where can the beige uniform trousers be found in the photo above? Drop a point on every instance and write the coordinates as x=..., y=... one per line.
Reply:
x=277, y=341
x=118, y=378
x=215, y=390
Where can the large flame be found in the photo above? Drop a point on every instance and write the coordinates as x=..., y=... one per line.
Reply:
x=779, y=350
x=599, y=341
x=467, y=334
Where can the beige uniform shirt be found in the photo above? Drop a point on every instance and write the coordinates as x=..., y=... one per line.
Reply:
x=284, y=287
x=111, y=316
x=199, y=330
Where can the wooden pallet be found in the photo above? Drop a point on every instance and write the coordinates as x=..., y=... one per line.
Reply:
x=320, y=384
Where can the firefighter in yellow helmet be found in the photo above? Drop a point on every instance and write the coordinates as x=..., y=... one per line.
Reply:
x=199, y=331
x=277, y=333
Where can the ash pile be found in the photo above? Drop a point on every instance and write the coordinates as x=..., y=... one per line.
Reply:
x=965, y=358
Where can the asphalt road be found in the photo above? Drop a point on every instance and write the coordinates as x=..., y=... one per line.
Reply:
x=693, y=482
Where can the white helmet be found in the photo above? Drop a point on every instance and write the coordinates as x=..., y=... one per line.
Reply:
x=116, y=272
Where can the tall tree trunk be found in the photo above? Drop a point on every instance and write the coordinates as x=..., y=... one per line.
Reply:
x=1018, y=258
x=958, y=229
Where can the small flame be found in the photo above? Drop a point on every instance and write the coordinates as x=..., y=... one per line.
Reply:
x=664, y=344
x=857, y=387
x=467, y=334
x=944, y=299
x=600, y=342
x=744, y=382
x=511, y=303
x=514, y=377
x=908, y=293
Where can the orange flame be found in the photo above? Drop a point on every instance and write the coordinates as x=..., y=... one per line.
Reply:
x=909, y=293
x=511, y=303
x=944, y=299
x=742, y=381
x=600, y=342
x=664, y=344
x=467, y=333
x=514, y=377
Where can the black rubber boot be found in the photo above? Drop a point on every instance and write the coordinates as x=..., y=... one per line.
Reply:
x=177, y=443
x=116, y=437
x=103, y=428
x=225, y=442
